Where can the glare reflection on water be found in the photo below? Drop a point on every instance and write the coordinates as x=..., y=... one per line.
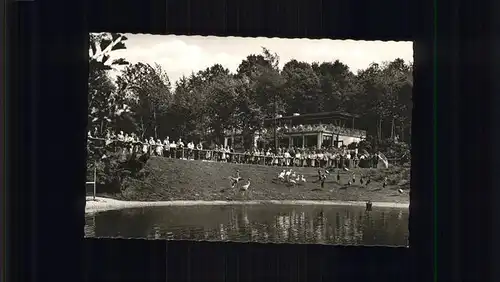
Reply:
x=269, y=223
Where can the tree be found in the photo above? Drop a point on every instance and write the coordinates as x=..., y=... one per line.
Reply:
x=105, y=105
x=303, y=87
x=338, y=87
x=100, y=47
x=395, y=80
x=222, y=103
x=262, y=95
x=189, y=108
x=371, y=98
x=386, y=95
x=148, y=89
x=213, y=72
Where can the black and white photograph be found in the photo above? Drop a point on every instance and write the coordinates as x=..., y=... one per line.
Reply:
x=241, y=139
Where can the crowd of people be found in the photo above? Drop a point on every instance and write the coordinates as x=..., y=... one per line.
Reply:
x=298, y=157
x=312, y=128
x=321, y=127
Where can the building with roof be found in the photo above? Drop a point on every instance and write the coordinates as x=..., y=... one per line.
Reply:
x=325, y=129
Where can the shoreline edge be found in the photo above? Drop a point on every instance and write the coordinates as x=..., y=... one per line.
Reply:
x=102, y=204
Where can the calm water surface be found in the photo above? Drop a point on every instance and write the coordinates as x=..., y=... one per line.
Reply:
x=345, y=225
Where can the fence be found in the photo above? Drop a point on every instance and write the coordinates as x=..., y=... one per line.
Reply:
x=93, y=183
x=330, y=160
x=229, y=157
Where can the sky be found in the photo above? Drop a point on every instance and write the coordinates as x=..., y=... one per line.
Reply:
x=181, y=55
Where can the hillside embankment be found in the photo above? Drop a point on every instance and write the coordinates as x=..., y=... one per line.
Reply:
x=166, y=179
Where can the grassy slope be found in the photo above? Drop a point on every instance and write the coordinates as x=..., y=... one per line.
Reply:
x=172, y=179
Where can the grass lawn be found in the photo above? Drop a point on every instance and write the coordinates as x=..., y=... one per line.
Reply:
x=173, y=179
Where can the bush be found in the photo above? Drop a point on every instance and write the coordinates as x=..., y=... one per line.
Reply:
x=395, y=150
x=115, y=168
x=365, y=145
x=352, y=146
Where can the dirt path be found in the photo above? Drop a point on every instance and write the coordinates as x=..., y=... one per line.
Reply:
x=104, y=204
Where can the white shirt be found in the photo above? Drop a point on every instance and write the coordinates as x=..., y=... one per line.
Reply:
x=190, y=145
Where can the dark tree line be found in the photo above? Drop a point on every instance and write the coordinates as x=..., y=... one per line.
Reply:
x=205, y=103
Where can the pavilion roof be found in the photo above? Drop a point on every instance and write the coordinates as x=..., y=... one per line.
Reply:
x=319, y=115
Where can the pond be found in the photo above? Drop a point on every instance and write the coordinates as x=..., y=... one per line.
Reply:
x=345, y=225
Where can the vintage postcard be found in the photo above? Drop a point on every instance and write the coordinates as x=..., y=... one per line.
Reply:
x=249, y=139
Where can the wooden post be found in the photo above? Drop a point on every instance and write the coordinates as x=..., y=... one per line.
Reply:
x=95, y=178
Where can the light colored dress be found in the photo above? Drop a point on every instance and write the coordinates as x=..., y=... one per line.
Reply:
x=287, y=158
x=159, y=148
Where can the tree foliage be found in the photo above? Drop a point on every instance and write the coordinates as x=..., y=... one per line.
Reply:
x=203, y=104
x=106, y=107
x=148, y=90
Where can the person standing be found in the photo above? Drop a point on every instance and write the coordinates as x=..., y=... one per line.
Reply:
x=197, y=153
x=180, y=148
x=166, y=147
x=159, y=148
x=375, y=160
x=145, y=147
x=121, y=137
x=190, y=150
x=173, y=150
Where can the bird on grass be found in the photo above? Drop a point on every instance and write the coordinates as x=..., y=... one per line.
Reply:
x=297, y=179
x=349, y=183
x=235, y=179
x=385, y=182
x=400, y=191
x=287, y=174
x=323, y=178
x=302, y=179
x=281, y=175
x=245, y=186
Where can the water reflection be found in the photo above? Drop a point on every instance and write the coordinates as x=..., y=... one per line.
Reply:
x=277, y=224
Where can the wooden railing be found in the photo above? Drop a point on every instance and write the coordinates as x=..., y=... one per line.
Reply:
x=222, y=156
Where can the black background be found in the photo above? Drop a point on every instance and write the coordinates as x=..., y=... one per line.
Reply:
x=46, y=117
